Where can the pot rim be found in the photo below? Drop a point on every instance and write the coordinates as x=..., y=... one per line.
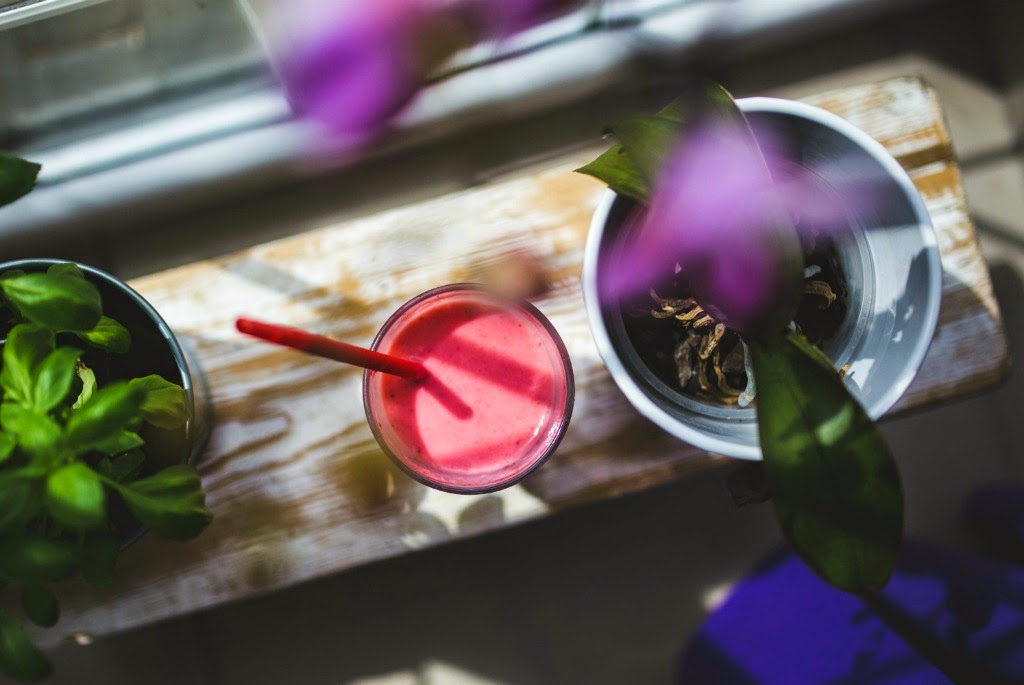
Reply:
x=914, y=357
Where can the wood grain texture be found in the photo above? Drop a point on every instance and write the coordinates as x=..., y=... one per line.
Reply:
x=296, y=481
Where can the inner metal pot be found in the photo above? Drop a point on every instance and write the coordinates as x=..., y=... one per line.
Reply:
x=888, y=255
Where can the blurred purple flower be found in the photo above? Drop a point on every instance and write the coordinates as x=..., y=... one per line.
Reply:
x=353, y=64
x=720, y=216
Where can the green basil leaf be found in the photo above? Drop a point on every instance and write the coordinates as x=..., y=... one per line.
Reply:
x=834, y=483
x=25, y=348
x=88, y=378
x=7, y=444
x=103, y=417
x=97, y=559
x=122, y=468
x=54, y=377
x=75, y=497
x=67, y=269
x=17, y=177
x=39, y=560
x=37, y=434
x=40, y=605
x=19, y=498
x=108, y=335
x=165, y=404
x=19, y=657
x=57, y=301
x=120, y=443
x=171, y=503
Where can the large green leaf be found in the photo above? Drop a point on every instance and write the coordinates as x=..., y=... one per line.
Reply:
x=834, y=483
x=619, y=170
x=165, y=404
x=75, y=496
x=647, y=141
x=171, y=503
x=25, y=348
x=59, y=301
x=107, y=413
x=37, y=560
x=54, y=377
x=108, y=335
x=17, y=177
x=19, y=657
x=40, y=605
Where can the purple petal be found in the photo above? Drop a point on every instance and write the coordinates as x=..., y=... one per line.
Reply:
x=710, y=214
x=353, y=65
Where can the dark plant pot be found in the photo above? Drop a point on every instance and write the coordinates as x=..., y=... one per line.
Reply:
x=888, y=254
x=154, y=350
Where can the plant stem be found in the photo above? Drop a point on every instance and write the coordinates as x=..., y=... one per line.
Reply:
x=953, y=663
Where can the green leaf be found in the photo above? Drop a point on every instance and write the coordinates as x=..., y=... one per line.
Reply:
x=7, y=444
x=19, y=657
x=834, y=483
x=165, y=404
x=26, y=346
x=122, y=468
x=39, y=560
x=88, y=378
x=54, y=377
x=57, y=301
x=75, y=496
x=17, y=177
x=171, y=503
x=120, y=443
x=647, y=141
x=19, y=497
x=619, y=173
x=97, y=559
x=37, y=434
x=66, y=269
x=108, y=335
x=619, y=170
x=103, y=417
x=40, y=605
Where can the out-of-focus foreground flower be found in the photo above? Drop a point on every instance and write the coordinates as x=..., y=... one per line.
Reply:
x=716, y=217
x=352, y=65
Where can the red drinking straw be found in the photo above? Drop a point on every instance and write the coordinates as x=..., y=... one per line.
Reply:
x=322, y=346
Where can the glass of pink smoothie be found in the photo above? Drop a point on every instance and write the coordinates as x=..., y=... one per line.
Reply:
x=497, y=399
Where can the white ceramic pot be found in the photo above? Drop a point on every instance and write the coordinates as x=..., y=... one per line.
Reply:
x=890, y=261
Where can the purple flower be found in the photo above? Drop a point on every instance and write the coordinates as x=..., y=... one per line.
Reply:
x=353, y=64
x=716, y=218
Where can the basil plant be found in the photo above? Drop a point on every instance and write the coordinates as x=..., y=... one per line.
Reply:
x=74, y=473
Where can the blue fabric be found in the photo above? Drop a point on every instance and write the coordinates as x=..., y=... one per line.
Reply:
x=784, y=625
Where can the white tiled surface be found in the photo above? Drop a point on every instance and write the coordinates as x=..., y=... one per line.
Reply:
x=609, y=593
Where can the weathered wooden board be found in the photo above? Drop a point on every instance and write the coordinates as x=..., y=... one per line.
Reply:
x=297, y=483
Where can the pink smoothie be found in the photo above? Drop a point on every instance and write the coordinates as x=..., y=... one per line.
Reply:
x=495, y=402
